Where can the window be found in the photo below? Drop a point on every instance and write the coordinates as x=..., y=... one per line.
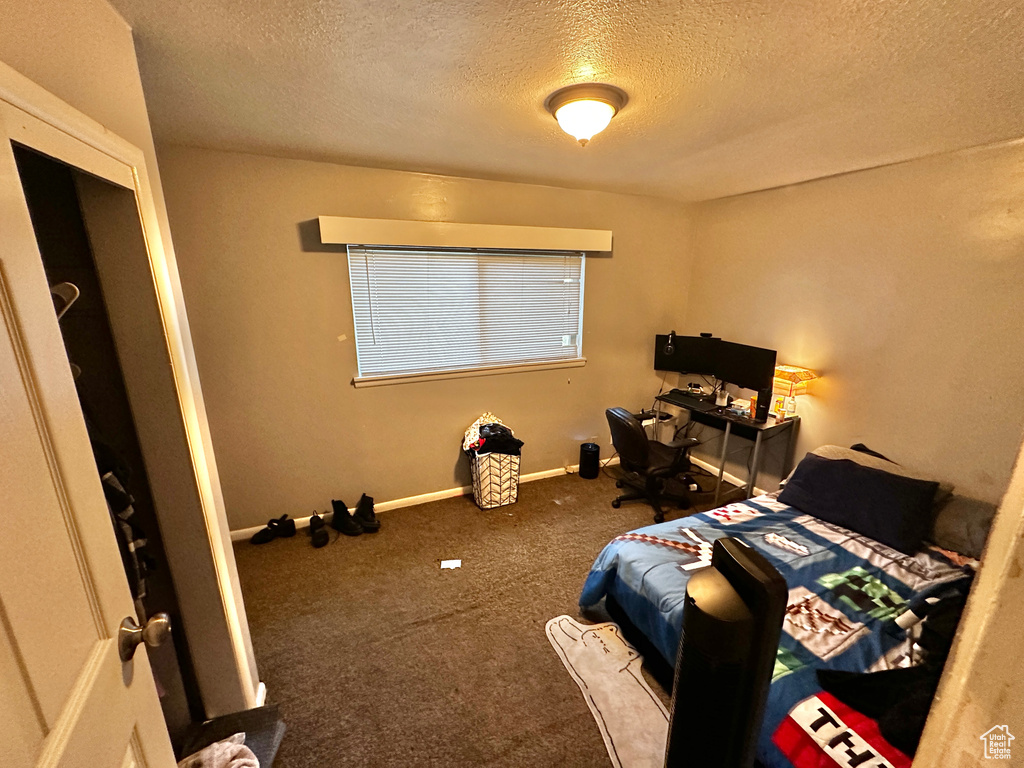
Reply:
x=430, y=311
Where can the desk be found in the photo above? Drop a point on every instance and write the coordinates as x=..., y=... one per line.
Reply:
x=757, y=431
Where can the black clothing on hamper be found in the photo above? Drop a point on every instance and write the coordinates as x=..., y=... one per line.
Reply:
x=497, y=438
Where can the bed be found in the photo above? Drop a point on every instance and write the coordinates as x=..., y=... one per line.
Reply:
x=846, y=592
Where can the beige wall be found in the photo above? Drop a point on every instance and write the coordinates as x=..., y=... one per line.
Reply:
x=290, y=430
x=82, y=52
x=903, y=287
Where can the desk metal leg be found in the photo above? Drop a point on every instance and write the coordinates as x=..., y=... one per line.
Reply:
x=754, y=464
x=721, y=460
x=788, y=463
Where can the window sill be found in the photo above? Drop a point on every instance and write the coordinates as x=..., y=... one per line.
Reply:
x=463, y=373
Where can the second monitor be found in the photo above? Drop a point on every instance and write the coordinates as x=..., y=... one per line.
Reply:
x=740, y=364
x=745, y=366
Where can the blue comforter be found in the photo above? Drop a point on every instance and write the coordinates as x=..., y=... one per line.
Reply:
x=845, y=592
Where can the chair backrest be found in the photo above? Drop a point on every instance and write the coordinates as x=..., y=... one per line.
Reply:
x=629, y=439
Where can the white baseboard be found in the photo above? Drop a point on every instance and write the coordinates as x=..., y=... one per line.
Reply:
x=423, y=498
x=728, y=477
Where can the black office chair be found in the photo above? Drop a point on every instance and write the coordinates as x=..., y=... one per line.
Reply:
x=648, y=463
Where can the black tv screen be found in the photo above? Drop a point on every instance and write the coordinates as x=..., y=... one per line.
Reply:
x=690, y=354
x=744, y=366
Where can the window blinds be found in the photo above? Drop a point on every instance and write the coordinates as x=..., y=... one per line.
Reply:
x=436, y=310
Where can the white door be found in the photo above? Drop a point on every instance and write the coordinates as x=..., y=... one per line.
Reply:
x=66, y=699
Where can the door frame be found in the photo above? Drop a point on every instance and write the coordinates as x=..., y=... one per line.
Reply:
x=175, y=432
x=981, y=684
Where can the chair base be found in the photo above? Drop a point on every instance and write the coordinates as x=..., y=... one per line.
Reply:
x=651, y=491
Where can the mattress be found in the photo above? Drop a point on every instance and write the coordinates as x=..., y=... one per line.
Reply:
x=845, y=593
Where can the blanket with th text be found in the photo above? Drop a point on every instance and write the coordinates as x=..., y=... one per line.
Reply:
x=846, y=592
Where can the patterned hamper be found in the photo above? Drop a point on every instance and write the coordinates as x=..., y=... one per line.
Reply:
x=495, y=479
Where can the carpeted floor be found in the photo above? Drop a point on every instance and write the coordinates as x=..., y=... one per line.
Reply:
x=379, y=658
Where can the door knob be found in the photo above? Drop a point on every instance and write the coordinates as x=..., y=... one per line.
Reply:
x=130, y=634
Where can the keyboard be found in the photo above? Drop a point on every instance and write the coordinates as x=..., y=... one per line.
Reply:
x=686, y=400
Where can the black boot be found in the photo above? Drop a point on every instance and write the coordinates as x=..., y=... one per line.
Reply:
x=318, y=531
x=364, y=514
x=342, y=521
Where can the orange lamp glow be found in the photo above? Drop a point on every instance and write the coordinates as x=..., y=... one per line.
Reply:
x=792, y=380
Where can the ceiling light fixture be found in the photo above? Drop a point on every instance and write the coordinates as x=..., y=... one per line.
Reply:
x=585, y=109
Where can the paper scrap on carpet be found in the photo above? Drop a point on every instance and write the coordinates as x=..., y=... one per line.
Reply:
x=450, y=565
x=632, y=719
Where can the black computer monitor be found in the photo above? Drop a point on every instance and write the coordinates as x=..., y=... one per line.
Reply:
x=685, y=354
x=745, y=366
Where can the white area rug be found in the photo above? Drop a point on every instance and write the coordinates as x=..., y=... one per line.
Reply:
x=632, y=719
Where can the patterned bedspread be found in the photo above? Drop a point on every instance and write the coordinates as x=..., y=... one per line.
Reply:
x=845, y=592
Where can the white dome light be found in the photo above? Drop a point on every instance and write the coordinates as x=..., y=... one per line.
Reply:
x=585, y=109
x=585, y=118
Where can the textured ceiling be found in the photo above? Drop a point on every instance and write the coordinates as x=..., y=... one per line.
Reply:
x=724, y=97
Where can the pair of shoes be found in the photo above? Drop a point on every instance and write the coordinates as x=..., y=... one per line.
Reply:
x=280, y=527
x=318, y=531
x=362, y=521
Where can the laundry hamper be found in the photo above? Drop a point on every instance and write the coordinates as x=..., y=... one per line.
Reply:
x=494, y=455
x=495, y=479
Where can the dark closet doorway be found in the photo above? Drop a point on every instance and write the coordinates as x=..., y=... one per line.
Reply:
x=51, y=191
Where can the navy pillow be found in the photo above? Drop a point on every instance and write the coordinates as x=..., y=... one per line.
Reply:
x=889, y=508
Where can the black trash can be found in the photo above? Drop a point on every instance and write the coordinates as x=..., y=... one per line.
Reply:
x=590, y=460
